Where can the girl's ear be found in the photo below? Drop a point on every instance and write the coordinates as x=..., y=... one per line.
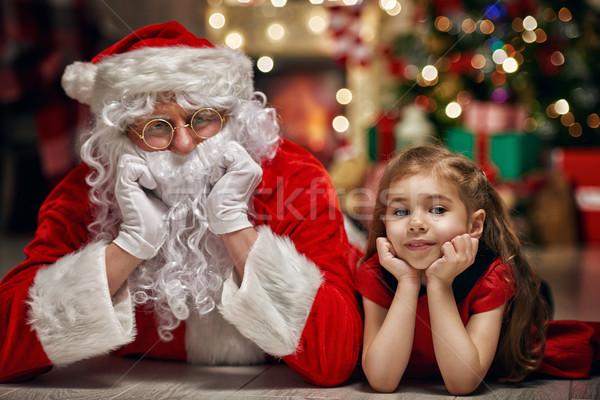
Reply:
x=476, y=225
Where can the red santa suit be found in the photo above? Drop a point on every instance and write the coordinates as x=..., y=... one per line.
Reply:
x=571, y=346
x=296, y=301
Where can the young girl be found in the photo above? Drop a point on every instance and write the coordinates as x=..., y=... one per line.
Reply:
x=446, y=288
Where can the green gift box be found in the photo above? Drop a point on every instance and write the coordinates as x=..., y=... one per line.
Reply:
x=514, y=153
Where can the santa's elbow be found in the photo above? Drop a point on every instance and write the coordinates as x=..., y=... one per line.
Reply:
x=328, y=380
x=324, y=379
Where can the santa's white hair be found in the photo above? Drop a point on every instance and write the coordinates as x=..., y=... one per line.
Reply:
x=182, y=277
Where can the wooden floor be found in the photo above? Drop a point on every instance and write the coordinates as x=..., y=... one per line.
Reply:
x=111, y=377
x=572, y=273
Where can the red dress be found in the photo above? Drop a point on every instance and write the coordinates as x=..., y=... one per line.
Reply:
x=571, y=346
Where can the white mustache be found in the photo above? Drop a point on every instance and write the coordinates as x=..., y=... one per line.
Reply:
x=181, y=177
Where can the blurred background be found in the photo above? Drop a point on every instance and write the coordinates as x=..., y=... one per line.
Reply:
x=513, y=84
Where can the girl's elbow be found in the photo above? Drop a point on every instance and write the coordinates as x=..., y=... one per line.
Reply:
x=380, y=383
x=462, y=387
x=383, y=387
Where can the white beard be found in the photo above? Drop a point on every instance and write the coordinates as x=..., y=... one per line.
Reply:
x=185, y=280
x=188, y=272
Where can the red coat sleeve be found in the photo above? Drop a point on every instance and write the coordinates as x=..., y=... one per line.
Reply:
x=62, y=222
x=298, y=200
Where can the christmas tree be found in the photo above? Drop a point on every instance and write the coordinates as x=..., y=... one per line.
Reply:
x=542, y=55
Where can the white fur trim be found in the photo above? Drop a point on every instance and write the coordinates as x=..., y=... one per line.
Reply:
x=78, y=81
x=71, y=309
x=211, y=340
x=216, y=72
x=276, y=295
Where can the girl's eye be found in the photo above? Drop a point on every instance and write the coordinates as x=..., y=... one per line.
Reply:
x=401, y=212
x=438, y=210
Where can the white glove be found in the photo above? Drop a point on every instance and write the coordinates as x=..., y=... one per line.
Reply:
x=141, y=234
x=234, y=179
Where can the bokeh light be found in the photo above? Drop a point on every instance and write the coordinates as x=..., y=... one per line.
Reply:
x=453, y=110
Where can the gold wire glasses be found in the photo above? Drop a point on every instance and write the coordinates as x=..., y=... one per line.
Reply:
x=158, y=133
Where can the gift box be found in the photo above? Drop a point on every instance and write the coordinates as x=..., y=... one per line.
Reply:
x=381, y=140
x=515, y=153
x=579, y=166
x=489, y=118
x=511, y=153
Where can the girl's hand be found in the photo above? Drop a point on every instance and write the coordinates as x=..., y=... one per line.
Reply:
x=457, y=255
x=394, y=265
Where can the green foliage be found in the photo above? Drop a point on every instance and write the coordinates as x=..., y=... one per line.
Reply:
x=454, y=39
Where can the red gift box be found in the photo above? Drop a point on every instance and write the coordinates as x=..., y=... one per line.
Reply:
x=489, y=118
x=580, y=167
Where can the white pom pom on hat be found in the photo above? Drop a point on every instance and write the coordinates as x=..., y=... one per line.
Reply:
x=159, y=58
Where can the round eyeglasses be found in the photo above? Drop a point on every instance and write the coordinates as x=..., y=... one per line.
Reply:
x=158, y=133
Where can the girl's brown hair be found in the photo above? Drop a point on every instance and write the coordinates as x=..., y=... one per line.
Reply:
x=523, y=340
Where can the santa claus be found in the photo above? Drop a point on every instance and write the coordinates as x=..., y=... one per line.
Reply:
x=190, y=231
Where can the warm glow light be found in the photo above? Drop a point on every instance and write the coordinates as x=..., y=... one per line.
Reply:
x=340, y=123
x=549, y=15
x=575, y=130
x=557, y=58
x=564, y=14
x=529, y=36
x=278, y=3
x=530, y=125
x=366, y=33
x=395, y=10
x=275, y=31
x=540, y=35
x=561, y=106
x=530, y=23
x=499, y=56
x=317, y=24
x=510, y=50
x=343, y=96
x=517, y=43
x=479, y=76
x=443, y=24
x=316, y=1
x=429, y=73
x=422, y=102
x=453, y=110
x=463, y=97
x=517, y=24
x=265, y=64
x=498, y=78
x=510, y=65
x=411, y=72
x=551, y=111
x=519, y=57
x=234, y=40
x=387, y=4
x=593, y=121
x=567, y=119
x=486, y=27
x=478, y=61
x=469, y=26
x=216, y=21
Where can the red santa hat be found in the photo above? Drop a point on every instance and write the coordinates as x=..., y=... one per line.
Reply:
x=159, y=58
